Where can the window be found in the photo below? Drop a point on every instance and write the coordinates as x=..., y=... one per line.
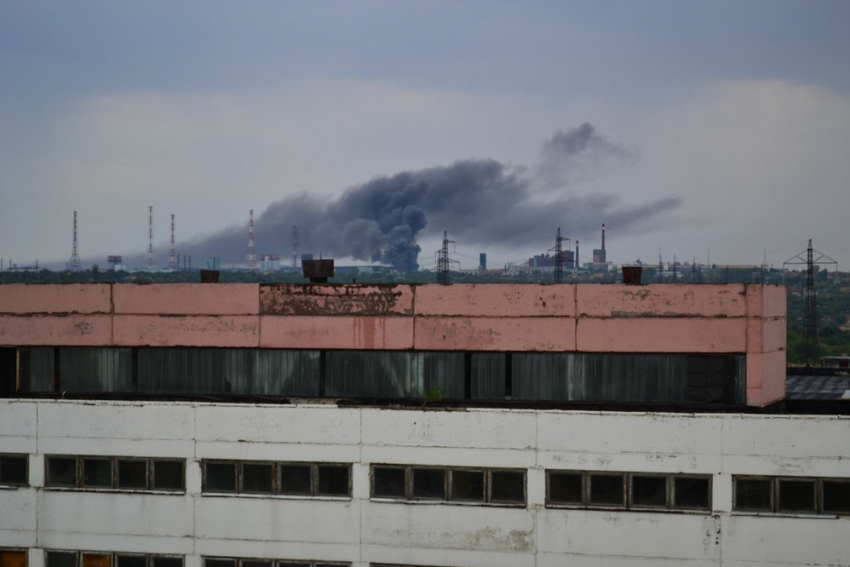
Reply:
x=788, y=495
x=289, y=479
x=109, y=559
x=14, y=470
x=457, y=485
x=236, y=562
x=607, y=489
x=97, y=473
x=377, y=374
x=632, y=491
x=119, y=473
x=13, y=558
x=132, y=474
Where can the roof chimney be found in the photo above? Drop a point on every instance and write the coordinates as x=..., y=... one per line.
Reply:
x=318, y=270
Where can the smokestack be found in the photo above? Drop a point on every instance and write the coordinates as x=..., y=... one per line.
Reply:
x=172, y=258
x=603, y=237
x=150, y=238
x=251, y=258
x=576, y=263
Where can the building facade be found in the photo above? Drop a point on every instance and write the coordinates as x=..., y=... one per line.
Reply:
x=451, y=426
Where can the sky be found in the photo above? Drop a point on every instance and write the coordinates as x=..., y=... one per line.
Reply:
x=711, y=130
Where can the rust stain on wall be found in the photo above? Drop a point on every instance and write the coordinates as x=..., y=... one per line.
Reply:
x=288, y=299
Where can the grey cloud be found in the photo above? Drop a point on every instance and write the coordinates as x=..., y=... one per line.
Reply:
x=481, y=201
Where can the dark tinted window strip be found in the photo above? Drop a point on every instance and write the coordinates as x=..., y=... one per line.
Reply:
x=796, y=496
x=332, y=480
x=640, y=491
x=195, y=373
x=125, y=474
x=262, y=562
x=76, y=558
x=454, y=485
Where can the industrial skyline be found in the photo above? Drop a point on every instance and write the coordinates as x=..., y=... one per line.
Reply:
x=739, y=113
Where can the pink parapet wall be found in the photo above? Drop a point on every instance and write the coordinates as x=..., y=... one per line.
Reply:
x=659, y=318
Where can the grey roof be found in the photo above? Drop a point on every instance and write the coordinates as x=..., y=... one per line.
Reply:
x=817, y=387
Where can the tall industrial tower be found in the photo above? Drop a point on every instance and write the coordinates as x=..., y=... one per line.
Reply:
x=74, y=263
x=576, y=261
x=443, y=261
x=172, y=259
x=559, y=256
x=810, y=298
x=295, y=246
x=251, y=258
x=150, y=239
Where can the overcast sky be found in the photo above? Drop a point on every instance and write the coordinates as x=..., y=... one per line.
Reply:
x=737, y=113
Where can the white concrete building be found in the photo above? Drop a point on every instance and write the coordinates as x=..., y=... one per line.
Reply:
x=706, y=470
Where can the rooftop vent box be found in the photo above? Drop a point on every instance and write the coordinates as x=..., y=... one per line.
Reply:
x=318, y=271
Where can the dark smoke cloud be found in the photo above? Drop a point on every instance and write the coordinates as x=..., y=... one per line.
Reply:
x=479, y=201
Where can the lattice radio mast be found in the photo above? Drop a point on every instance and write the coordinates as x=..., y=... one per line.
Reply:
x=75, y=264
x=559, y=256
x=443, y=261
x=810, y=298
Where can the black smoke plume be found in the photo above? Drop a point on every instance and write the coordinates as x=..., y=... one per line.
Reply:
x=479, y=201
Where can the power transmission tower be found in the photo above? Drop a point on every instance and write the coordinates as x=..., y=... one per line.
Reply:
x=559, y=256
x=810, y=300
x=444, y=262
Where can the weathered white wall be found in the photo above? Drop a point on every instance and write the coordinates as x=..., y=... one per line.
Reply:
x=362, y=531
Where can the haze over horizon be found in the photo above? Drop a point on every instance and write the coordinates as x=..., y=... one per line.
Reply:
x=721, y=126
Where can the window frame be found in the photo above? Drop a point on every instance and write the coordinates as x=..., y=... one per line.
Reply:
x=277, y=489
x=21, y=550
x=628, y=495
x=448, y=497
x=114, y=476
x=25, y=457
x=238, y=561
x=776, y=496
x=113, y=556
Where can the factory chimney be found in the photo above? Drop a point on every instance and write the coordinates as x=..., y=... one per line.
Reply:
x=603, y=238
x=172, y=261
x=150, y=238
x=251, y=258
x=576, y=263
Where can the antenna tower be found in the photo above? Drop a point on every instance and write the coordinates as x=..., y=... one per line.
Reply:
x=810, y=297
x=559, y=256
x=443, y=261
x=74, y=264
x=251, y=258
x=150, y=238
x=295, y=246
x=172, y=261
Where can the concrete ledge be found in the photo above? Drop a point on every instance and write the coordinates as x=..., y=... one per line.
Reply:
x=342, y=332
x=187, y=299
x=368, y=300
x=543, y=334
x=55, y=298
x=152, y=330
x=56, y=330
x=662, y=335
x=661, y=300
x=765, y=335
x=483, y=300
